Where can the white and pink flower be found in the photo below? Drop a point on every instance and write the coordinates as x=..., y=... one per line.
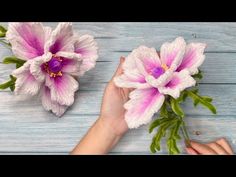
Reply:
x=54, y=60
x=153, y=77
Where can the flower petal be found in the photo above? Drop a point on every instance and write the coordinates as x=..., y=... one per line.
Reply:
x=160, y=81
x=142, y=105
x=86, y=46
x=48, y=104
x=143, y=58
x=35, y=66
x=172, y=53
x=70, y=66
x=71, y=62
x=27, y=39
x=62, y=39
x=193, y=57
x=25, y=82
x=62, y=88
x=137, y=65
x=131, y=79
x=179, y=82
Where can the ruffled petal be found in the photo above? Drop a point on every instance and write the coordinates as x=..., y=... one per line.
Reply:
x=131, y=79
x=70, y=66
x=27, y=39
x=50, y=105
x=179, y=82
x=36, y=66
x=146, y=59
x=25, y=82
x=193, y=57
x=61, y=39
x=62, y=88
x=172, y=53
x=86, y=46
x=160, y=81
x=142, y=105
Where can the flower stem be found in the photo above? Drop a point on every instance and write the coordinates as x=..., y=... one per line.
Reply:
x=185, y=134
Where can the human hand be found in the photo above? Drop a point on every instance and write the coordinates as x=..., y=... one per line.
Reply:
x=112, y=109
x=111, y=125
x=218, y=147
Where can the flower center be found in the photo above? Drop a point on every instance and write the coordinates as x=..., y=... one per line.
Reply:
x=54, y=66
x=158, y=71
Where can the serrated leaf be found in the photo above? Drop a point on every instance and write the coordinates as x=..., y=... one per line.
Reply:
x=207, y=98
x=158, y=122
x=176, y=107
x=203, y=101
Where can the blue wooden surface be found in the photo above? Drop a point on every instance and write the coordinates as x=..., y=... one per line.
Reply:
x=26, y=128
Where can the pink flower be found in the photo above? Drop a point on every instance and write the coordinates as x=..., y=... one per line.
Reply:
x=153, y=77
x=53, y=60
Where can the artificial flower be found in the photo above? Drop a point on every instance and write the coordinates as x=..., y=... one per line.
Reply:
x=153, y=76
x=54, y=59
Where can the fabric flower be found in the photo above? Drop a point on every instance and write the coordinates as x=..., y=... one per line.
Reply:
x=54, y=59
x=153, y=77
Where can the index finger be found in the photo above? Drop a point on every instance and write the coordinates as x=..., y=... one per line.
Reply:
x=202, y=149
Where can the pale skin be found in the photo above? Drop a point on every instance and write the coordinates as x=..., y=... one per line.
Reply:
x=110, y=127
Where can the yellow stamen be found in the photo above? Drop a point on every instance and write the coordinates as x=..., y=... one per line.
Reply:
x=164, y=66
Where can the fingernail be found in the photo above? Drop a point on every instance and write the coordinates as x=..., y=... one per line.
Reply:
x=122, y=59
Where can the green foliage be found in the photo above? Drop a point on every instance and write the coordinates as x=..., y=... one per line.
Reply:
x=176, y=107
x=9, y=84
x=2, y=31
x=199, y=75
x=14, y=60
x=204, y=100
x=171, y=119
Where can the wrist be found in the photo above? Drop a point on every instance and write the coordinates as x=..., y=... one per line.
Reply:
x=106, y=129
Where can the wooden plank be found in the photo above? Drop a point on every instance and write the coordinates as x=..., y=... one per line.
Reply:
x=218, y=68
x=126, y=36
x=61, y=135
x=88, y=102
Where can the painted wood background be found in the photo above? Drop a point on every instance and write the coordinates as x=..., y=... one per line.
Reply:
x=26, y=128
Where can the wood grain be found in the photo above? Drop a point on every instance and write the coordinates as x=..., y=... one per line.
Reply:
x=26, y=128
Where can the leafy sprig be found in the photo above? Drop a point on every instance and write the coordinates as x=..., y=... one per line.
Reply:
x=11, y=83
x=170, y=122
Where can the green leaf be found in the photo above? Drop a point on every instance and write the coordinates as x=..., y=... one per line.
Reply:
x=176, y=107
x=199, y=75
x=182, y=97
x=207, y=98
x=160, y=133
x=172, y=146
x=163, y=110
x=2, y=31
x=9, y=84
x=154, y=124
x=14, y=60
x=195, y=102
x=174, y=136
x=5, y=85
x=153, y=147
x=204, y=101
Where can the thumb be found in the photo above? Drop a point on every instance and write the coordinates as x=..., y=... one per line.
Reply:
x=119, y=69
